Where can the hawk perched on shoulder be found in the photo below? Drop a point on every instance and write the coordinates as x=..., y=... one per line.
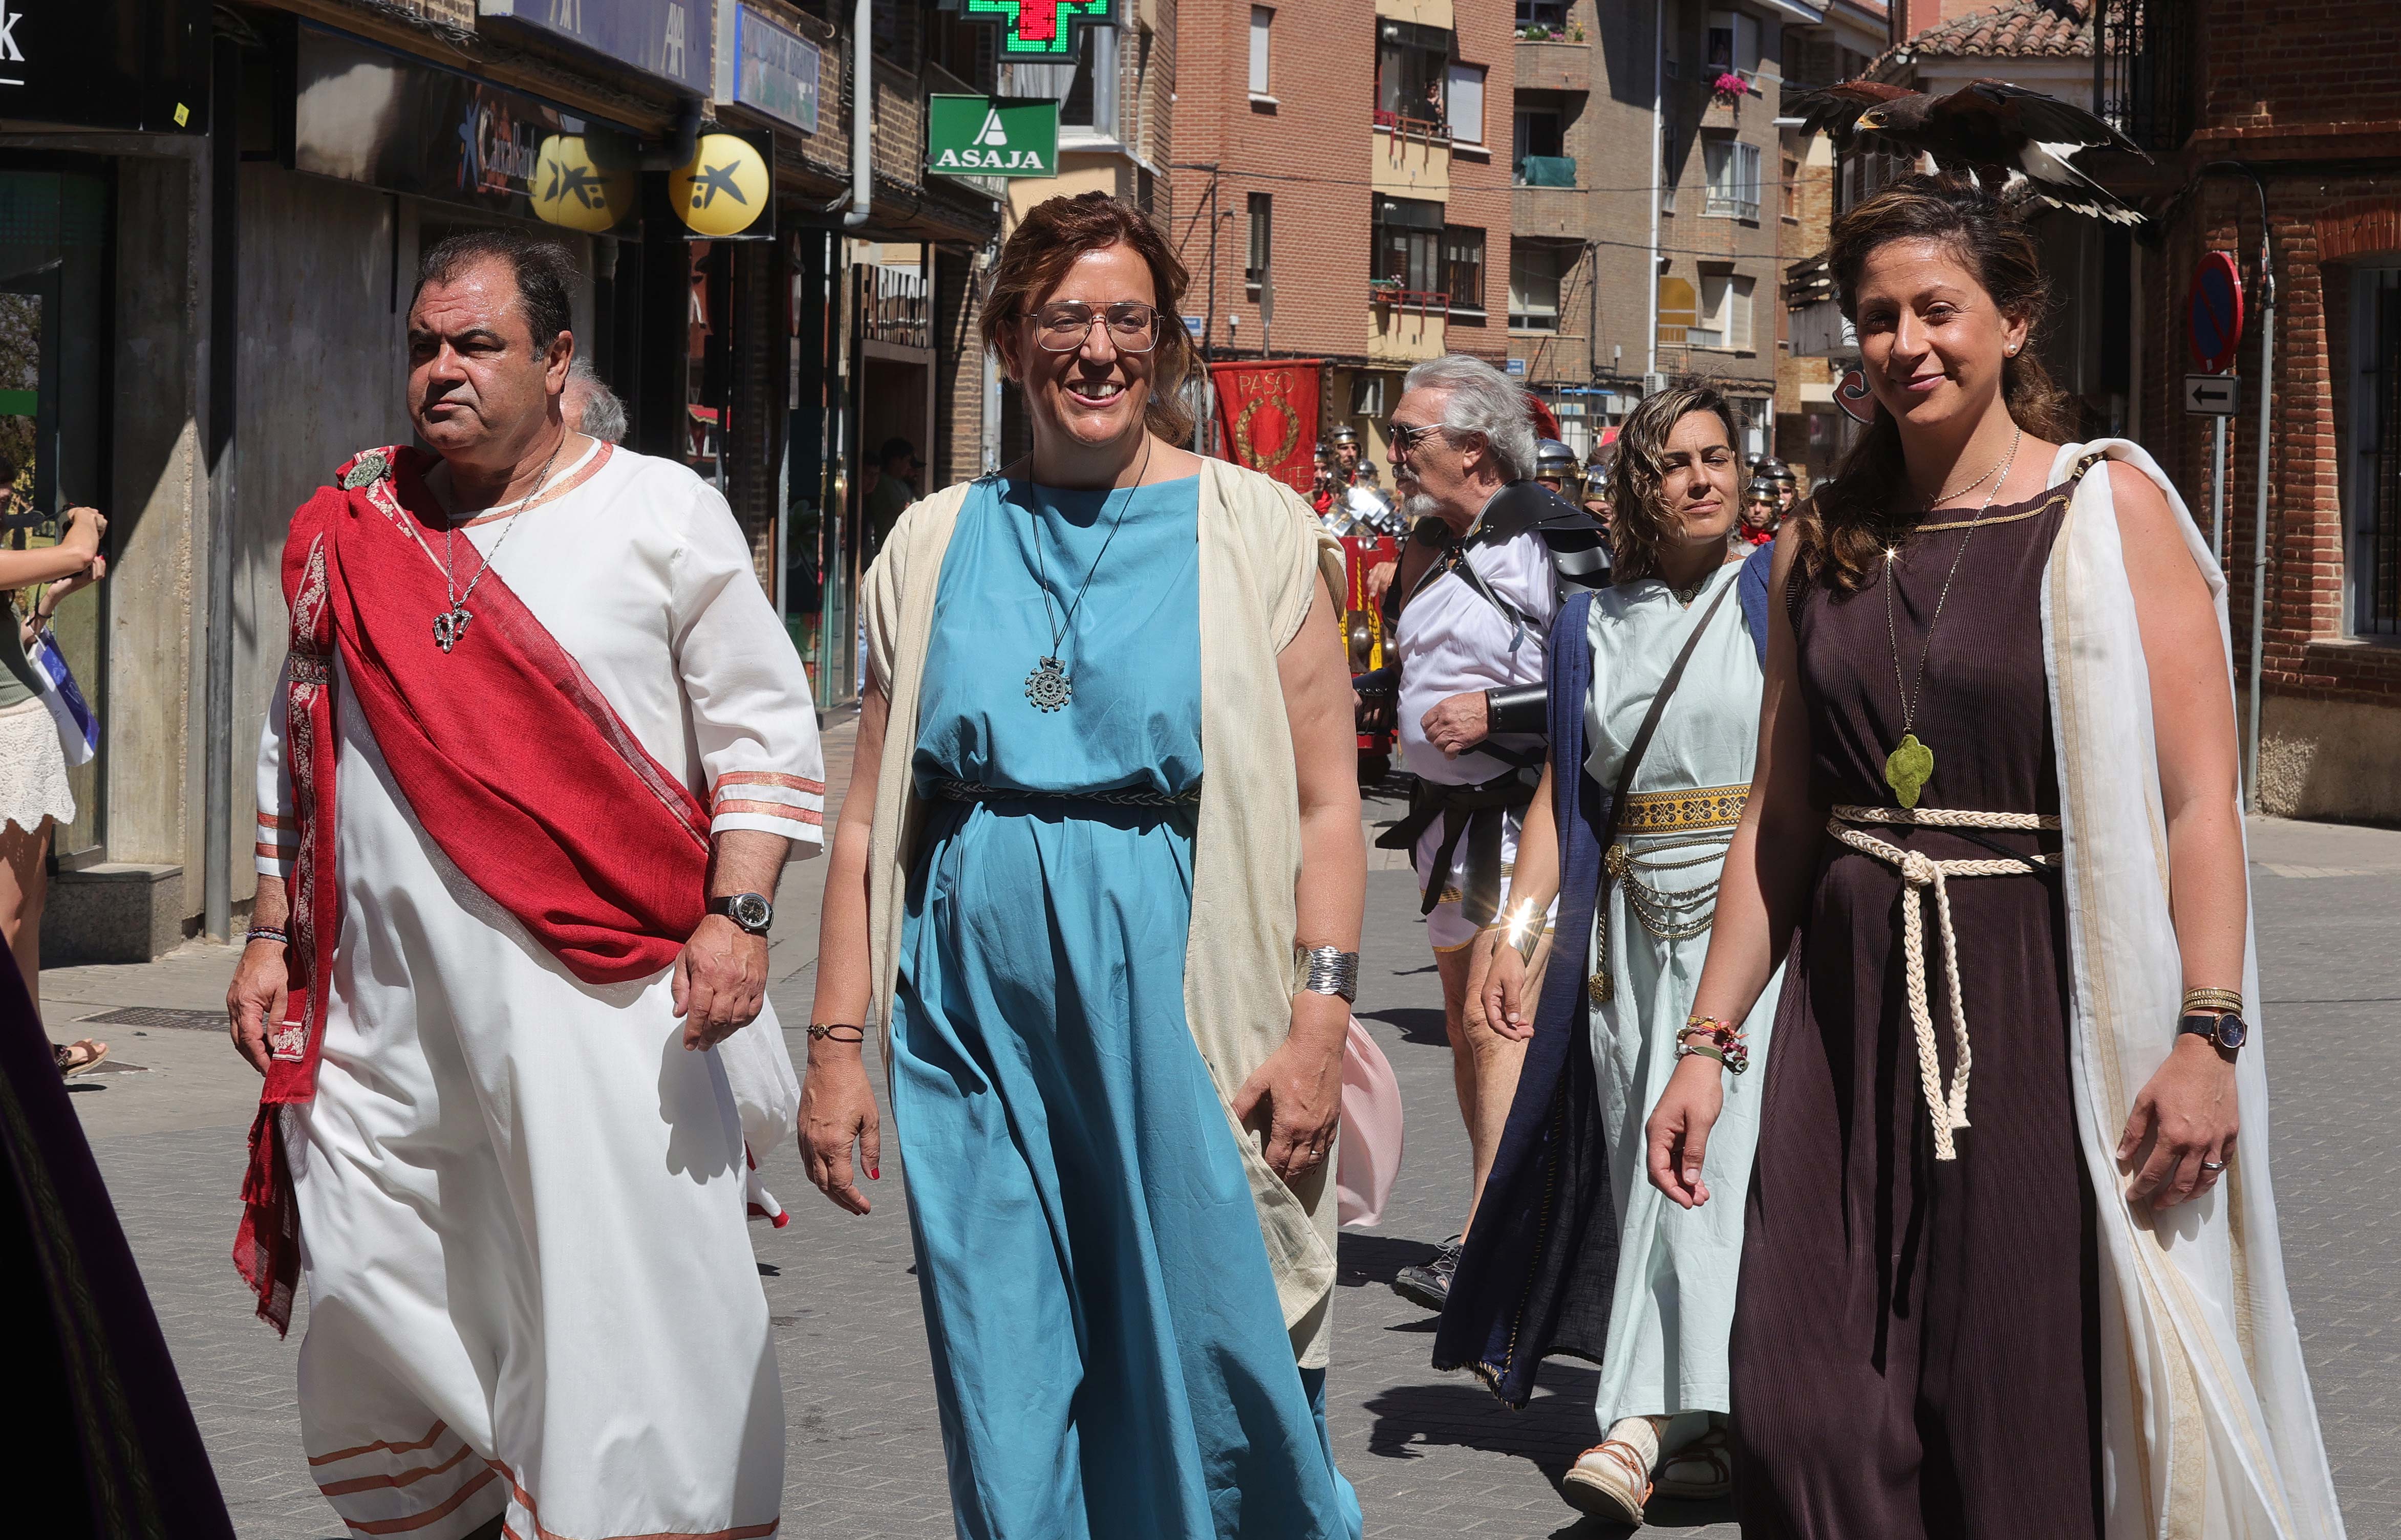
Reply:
x=1991, y=127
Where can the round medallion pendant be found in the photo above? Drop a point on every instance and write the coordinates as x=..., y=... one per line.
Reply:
x=1048, y=686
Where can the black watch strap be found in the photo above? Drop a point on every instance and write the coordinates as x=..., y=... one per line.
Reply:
x=2229, y=1031
x=753, y=912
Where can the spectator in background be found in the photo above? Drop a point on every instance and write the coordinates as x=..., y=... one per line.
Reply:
x=590, y=407
x=893, y=488
x=34, y=792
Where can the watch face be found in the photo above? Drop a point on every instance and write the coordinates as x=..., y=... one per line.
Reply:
x=2231, y=1031
x=749, y=911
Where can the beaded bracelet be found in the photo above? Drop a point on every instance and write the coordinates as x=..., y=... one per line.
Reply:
x=266, y=932
x=1723, y=1042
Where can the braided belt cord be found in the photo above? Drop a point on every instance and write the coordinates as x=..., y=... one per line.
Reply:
x=1919, y=872
x=1124, y=796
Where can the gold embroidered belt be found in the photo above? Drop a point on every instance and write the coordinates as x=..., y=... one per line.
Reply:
x=1705, y=817
x=1675, y=811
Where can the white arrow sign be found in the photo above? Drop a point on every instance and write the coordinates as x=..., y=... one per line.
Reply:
x=2212, y=395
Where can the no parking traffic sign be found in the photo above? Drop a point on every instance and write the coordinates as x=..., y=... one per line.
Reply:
x=2213, y=312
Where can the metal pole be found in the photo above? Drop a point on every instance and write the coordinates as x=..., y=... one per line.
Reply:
x=2259, y=527
x=1658, y=182
x=2217, y=494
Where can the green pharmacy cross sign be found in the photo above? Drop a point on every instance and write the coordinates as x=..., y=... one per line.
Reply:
x=992, y=136
x=1038, y=29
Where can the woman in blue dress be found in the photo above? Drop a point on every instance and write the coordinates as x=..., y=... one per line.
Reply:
x=1114, y=987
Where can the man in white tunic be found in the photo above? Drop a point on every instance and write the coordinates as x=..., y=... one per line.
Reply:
x=1475, y=603
x=572, y=749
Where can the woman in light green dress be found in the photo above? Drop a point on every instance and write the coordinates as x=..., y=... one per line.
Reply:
x=1662, y=1376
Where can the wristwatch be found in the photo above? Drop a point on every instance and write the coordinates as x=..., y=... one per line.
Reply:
x=751, y=911
x=2228, y=1031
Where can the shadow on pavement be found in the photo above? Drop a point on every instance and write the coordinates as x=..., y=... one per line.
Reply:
x=1418, y=1024
x=1363, y=1259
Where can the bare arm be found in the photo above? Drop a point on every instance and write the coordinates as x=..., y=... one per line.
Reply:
x=1760, y=899
x=837, y=1106
x=2186, y=1112
x=78, y=546
x=1300, y=1083
x=1497, y=971
x=262, y=979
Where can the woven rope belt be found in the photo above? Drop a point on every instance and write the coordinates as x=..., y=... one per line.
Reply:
x=1124, y=796
x=1919, y=872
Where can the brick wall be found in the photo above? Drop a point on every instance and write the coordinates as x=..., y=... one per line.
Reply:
x=1308, y=153
x=1479, y=184
x=957, y=453
x=2281, y=80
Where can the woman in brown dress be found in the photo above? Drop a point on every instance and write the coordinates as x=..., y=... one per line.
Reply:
x=1918, y=1346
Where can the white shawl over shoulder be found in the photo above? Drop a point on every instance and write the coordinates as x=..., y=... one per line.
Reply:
x=1261, y=549
x=2210, y=1430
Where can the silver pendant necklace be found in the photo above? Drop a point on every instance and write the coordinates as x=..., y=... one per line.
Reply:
x=1048, y=686
x=450, y=624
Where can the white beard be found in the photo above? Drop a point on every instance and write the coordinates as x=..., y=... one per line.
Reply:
x=1418, y=506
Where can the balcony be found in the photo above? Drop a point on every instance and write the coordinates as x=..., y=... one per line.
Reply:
x=1412, y=158
x=1558, y=212
x=2150, y=78
x=1406, y=325
x=1554, y=66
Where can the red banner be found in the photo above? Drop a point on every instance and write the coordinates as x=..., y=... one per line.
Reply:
x=1266, y=418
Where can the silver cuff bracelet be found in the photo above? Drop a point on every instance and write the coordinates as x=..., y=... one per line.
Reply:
x=1329, y=971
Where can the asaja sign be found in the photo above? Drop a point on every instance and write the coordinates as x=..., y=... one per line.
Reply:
x=992, y=136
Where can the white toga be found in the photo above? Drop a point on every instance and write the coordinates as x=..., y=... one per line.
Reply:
x=522, y=1200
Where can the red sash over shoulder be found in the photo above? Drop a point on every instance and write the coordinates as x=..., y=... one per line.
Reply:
x=512, y=760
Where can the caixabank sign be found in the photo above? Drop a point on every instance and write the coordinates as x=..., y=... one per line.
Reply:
x=992, y=136
x=140, y=65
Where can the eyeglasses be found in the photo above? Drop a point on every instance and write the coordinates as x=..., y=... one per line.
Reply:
x=1406, y=437
x=1061, y=328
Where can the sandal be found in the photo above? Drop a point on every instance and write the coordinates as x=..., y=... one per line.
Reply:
x=1608, y=1481
x=78, y=1057
x=1708, y=1470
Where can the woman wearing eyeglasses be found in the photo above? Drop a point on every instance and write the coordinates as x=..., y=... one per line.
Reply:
x=1113, y=986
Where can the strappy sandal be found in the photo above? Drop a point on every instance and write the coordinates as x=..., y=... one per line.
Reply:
x=1609, y=1481
x=1713, y=1480
x=79, y=1058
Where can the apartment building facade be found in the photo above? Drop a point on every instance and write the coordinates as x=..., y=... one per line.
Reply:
x=1646, y=205
x=1343, y=187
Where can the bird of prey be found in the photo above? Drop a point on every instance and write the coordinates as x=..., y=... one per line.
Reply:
x=1991, y=127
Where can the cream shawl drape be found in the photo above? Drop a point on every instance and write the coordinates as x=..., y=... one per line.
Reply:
x=2210, y=1431
x=1259, y=549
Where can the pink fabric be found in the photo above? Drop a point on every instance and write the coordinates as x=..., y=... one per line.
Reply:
x=1371, y=1130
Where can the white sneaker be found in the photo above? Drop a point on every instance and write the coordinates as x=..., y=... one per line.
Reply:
x=1609, y=1481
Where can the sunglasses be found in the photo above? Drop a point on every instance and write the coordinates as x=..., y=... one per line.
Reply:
x=1406, y=438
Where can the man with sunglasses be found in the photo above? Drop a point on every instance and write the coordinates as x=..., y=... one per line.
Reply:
x=1470, y=615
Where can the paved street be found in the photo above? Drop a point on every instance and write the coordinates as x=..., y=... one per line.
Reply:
x=1432, y=1455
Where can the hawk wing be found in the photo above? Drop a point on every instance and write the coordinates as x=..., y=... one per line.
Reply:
x=1835, y=109
x=2032, y=115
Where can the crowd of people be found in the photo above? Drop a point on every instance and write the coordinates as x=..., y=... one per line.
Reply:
x=1732, y=817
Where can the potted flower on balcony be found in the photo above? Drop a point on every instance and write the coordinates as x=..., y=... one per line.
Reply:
x=1729, y=88
x=1382, y=290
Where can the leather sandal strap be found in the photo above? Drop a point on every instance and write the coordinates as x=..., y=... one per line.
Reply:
x=1627, y=1459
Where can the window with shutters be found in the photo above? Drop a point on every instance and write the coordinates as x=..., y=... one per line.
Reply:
x=1731, y=168
x=1262, y=30
x=1462, y=268
x=1534, y=286
x=1723, y=318
x=2374, y=495
x=1408, y=253
x=1677, y=309
x=1668, y=170
x=1465, y=104
x=1254, y=270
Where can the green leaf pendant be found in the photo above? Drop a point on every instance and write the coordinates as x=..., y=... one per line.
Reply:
x=1908, y=767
